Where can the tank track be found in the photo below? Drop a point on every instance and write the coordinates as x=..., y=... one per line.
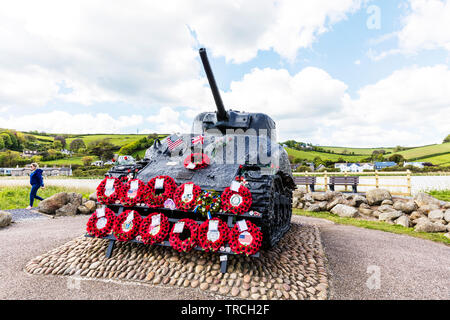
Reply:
x=274, y=201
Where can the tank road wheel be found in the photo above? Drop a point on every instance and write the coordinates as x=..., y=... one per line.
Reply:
x=273, y=216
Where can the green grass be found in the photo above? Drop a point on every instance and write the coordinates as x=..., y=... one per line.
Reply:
x=443, y=195
x=427, y=152
x=19, y=197
x=358, y=151
x=442, y=160
x=374, y=225
x=310, y=155
x=67, y=161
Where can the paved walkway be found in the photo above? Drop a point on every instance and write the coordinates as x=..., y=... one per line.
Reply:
x=408, y=268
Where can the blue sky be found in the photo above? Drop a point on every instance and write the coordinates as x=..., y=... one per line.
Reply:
x=350, y=72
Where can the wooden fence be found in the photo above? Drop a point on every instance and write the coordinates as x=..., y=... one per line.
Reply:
x=376, y=175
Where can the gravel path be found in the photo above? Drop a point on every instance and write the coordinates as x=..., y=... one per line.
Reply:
x=23, y=214
x=409, y=268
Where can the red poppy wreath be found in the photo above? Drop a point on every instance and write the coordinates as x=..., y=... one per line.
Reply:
x=154, y=228
x=196, y=161
x=185, y=240
x=101, y=222
x=213, y=238
x=126, y=225
x=133, y=192
x=184, y=198
x=155, y=200
x=236, y=202
x=247, y=241
x=110, y=190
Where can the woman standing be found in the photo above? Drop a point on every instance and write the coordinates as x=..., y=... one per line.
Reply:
x=36, y=182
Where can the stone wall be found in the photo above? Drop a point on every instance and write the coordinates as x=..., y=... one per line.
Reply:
x=423, y=212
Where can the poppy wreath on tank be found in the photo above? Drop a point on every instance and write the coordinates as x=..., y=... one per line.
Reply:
x=186, y=201
x=196, y=161
x=186, y=244
x=154, y=200
x=151, y=234
x=236, y=202
x=207, y=201
x=246, y=242
x=101, y=226
x=133, y=192
x=213, y=240
x=113, y=193
x=126, y=229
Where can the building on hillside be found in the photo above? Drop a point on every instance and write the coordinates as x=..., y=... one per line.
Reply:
x=320, y=167
x=20, y=172
x=353, y=167
x=5, y=171
x=419, y=165
x=67, y=152
x=30, y=153
x=384, y=164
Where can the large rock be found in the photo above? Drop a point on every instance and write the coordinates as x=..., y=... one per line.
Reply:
x=315, y=207
x=386, y=208
x=447, y=215
x=430, y=227
x=359, y=200
x=91, y=205
x=334, y=202
x=403, y=221
x=416, y=215
x=93, y=196
x=377, y=196
x=53, y=203
x=389, y=216
x=343, y=210
x=69, y=209
x=406, y=207
x=5, y=219
x=422, y=199
x=387, y=203
x=436, y=215
x=75, y=198
x=365, y=211
x=427, y=208
x=83, y=210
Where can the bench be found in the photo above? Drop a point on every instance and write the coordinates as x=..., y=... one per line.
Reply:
x=344, y=181
x=308, y=181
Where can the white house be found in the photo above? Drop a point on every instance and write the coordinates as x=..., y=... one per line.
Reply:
x=414, y=164
x=353, y=167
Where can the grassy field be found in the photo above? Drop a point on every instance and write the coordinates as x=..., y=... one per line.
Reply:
x=375, y=225
x=66, y=162
x=440, y=194
x=427, y=151
x=442, y=160
x=357, y=151
x=19, y=197
x=310, y=155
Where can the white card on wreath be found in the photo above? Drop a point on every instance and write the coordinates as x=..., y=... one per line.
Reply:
x=179, y=226
x=213, y=225
x=235, y=186
x=134, y=185
x=109, y=187
x=159, y=183
x=101, y=212
x=242, y=224
x=130, y=217
x=156, y=220
x=188, y=188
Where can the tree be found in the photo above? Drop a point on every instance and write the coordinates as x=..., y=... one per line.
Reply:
x=62, y=139
x=77, y=144
x=447, y=139
x=397, y=158
x=87, y=161
x=57, y=144
x=102, y=149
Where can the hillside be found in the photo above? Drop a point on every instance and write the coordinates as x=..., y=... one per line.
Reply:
x=356, y=151
x=427, y=151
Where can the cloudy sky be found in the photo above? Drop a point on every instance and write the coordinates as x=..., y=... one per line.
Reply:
x=330, y=72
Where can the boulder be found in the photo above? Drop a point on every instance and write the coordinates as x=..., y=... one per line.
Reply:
x=93, y=196
x=360, y=200
x=83, y=210
x=377, y=196
x=308, y=198
x=426, y=208
x=53, y=203
x=447, y=215
x=91, y=205
x=406, y=207
x=5, y=219
x=320, y=196
x=69, y=209
x=343, y=210
x=387, y=202
x=435, y=215
x=421, y=220
x=322, y=205
x=416, y=215
x=446, y=205
x=75, y=198
x=315, y=207
x=389, y=216
x=422, y=199
x=430, y=227
x=376, y=213
x=365, y=211
x=300, y=205
x=364, y=206
x=386, y=208
x=403, y=221
x=334, y=202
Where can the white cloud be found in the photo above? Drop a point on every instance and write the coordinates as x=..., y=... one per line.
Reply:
x=64, y=122
x=168, y=121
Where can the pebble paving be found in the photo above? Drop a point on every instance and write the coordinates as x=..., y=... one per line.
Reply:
x=294, y=270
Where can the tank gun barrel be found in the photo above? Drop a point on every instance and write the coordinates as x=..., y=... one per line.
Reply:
x=221, y=113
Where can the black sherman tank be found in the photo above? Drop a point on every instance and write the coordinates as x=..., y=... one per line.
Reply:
x=239, y=144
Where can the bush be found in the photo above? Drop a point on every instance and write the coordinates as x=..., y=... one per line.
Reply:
x=90, y=171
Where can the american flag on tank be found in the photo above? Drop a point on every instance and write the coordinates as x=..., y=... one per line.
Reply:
x=173, y=142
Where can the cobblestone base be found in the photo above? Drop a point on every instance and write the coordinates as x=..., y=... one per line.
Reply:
x=295, y=269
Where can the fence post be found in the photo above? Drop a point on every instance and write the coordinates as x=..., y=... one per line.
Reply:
x=325, y=179
x=408, y=177
x=307, y=187
x=377, y=185
x=345, y=175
